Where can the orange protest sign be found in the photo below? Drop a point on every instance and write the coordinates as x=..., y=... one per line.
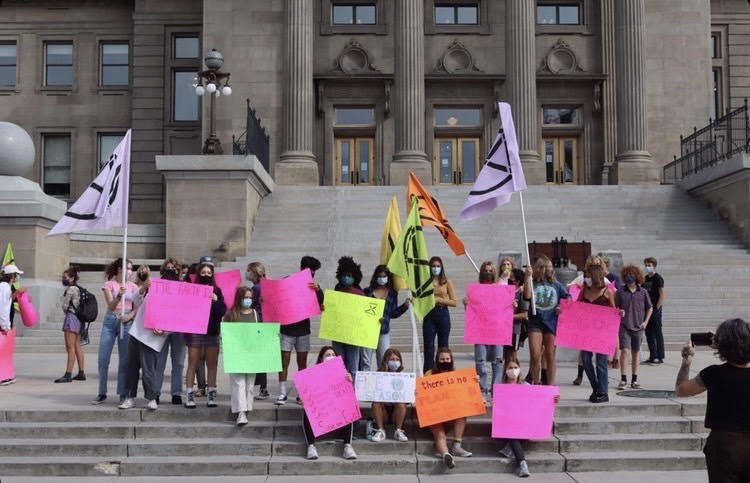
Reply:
x=448, y=396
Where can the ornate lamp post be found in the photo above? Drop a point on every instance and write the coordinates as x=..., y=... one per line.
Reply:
x=214, y=83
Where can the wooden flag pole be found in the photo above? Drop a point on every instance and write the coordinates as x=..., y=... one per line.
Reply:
x=526, y=248
x=472, y=261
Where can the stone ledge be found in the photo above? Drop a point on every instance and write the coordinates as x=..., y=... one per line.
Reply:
x=217, y=166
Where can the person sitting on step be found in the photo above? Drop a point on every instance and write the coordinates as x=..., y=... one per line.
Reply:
x=395, y=412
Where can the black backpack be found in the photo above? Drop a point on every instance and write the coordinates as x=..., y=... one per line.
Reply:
x=88, y=308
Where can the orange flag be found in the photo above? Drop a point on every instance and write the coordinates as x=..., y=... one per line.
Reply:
x=431, y=214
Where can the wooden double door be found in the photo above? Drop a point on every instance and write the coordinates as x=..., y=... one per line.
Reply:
x=355, y=161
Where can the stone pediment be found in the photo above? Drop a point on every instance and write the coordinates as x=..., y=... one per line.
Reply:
x=456, y=59
x=561, y=59
x=353, y=59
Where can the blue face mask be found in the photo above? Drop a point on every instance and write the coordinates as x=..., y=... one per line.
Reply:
x=629, y=279
x=649, y=269
x=66, y=282
x=393, y=365
x=436, y=271
x=347, y=280
x=382, y=281
x=247, y=303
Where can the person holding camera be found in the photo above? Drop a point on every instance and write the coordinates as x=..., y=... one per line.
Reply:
x=728, y=387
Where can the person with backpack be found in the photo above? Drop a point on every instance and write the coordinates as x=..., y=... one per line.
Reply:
x=72, y=326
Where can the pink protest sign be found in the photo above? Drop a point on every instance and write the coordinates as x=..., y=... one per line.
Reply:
x=328, y=396
x=228, y=282
x=7, y=349
x=290, y=299
x=574, y=291
x=178, y=307
x=587, y=327
x=489, y=314
x=522, y=411
x=29, y=316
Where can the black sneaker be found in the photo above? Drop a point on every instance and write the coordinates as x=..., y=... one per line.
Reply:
x=176, y=400
x=658, y=361
x=601, y=398
x=80, y=377
x=648, y=361
x=263, y=394
x=99, y=399
x=64, y=378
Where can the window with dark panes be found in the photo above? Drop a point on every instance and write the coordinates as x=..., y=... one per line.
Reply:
x=114, y=65
x=562, y=115
x=58, y=61
x=456, y=14
x=8, y=64
x=56, y=161
x=353, y=14
x=558, y=14
x=458, y=116
x=355, y=116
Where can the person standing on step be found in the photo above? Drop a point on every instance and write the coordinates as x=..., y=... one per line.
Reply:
x=381, y=287
x=636, y=307
x=347, y=432
x=255, y=273
x=297, y=336
x=174, y=345
x=72, y=326
x=144, y=348
x=242, y=384
x=522, y=281
x=349, y=276
x=654, y=284
x=728, y=387
x=577, y=285
x=395, y=412
x=115, y=326
x=200, y=370
x=444, y=363
x=209, y=342
x=438, y=321
x=612, y=277
x=8, y=295
x=512, y=447
x=542, y=327
x=596, y=292
x=484, y=353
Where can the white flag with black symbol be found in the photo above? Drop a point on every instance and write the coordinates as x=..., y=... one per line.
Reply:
x=104, y=204
x=501, y=175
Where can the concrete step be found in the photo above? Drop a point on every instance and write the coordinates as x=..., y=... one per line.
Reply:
x=626, y=425
x=622, y=461
x=576, y=443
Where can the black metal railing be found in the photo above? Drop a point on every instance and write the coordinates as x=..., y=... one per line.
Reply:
x=254, y=140
x=706, y=147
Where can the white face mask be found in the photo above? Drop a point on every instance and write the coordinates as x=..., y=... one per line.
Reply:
x=513, y=373
x=328, y=358
x=587, y=281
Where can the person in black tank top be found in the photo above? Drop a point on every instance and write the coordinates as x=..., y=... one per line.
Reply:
x=595, y=292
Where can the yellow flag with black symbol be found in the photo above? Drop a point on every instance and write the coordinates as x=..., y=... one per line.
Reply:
x=410, y=261
x=390, y=235
x=10, y=257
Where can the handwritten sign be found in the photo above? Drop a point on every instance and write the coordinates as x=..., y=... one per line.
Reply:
x=328, y=396
x=351, y=319
x=228, y=282
x=587, y=327
x=521, y=411
x=489, y=314
x=290, y=299
x=178, y=306
x=448, y=396
x=389, y=387
x=7, y=349
x=29, y=316
x=250, y=348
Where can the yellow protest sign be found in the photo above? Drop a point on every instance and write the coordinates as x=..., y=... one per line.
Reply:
x=448, y=396
x=351, y=319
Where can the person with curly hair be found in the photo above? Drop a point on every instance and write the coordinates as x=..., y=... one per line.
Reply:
x=634, y=302
x=349, y=276
x=728, y=387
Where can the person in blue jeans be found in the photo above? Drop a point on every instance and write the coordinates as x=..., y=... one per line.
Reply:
x=174, y=346
x=438, y=321
x=349, y=276
x=116, y=326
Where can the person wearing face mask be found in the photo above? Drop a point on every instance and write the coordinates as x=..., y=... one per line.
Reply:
x=381, y=287
x=346, y=432
x=255, y=273
x=71, y=325
x=395, y=412
x=654, y=284
x=242, y=384
x=8, y=295
x=505, y=269
x=542, y=326
x=485, y=352
x=349, y=275
x=635, y=305
x=596, y=292
x=438, y=321
x=512, y=447
x=209, y=342
x=174, y=345
x=521, y=280
x=115, y=326
x=444, y=363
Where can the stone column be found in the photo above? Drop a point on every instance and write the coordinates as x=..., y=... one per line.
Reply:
x=297, y=163
x=608, y=91
x=520, y=75
x=633, y=162
x=409, y=93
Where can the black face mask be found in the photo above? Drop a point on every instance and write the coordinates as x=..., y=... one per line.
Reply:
x=205, y=279
x=142, y=276
x=445, y=366
x=170, y=274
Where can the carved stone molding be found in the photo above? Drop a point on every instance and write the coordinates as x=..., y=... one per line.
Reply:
x=561, y=59
x=353, y=59
x=456, y=60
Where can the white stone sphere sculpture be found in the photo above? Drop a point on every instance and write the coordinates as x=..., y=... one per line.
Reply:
x=16, y=150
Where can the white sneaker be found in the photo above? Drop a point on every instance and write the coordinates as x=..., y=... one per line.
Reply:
x=378, y=435
x=312, y=453
x=349, y=453
x=448, y=461
x=190, y=400
x=211, y=401
x=8, y=382
x=127, y=403
x=400, y=435
x=457, y=450
x=281, y=400
x=241, y=418
x=152, y=405
x=523, y=469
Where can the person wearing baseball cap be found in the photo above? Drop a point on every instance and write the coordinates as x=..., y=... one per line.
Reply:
x=7, y=296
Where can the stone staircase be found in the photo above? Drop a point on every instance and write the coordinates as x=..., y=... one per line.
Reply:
x=98, y=441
